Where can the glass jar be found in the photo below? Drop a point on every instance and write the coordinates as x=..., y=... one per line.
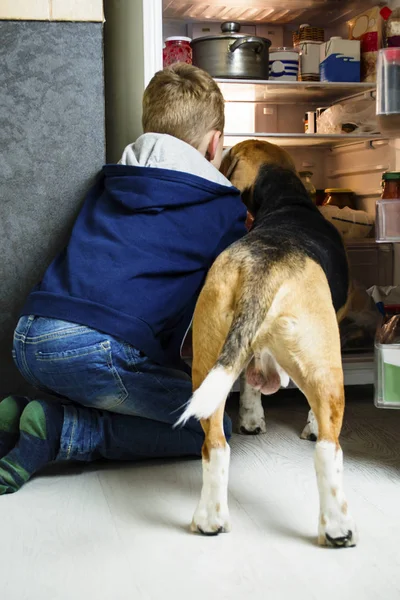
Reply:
x=340, y=197
x=391, y=185
x=177, y=49
x=392, y=29
x=305, y=177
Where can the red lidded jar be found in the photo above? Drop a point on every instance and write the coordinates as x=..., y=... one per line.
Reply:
x=177, y=49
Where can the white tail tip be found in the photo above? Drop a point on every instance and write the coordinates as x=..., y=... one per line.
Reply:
x=209, y=396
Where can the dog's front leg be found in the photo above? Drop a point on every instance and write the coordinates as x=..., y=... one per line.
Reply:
x=310, y=431
x=251, y=412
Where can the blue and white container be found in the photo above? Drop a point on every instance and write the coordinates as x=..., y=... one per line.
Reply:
x=340, y=60
x=283, y=64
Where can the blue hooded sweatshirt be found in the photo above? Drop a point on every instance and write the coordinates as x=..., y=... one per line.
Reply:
x=148, y=232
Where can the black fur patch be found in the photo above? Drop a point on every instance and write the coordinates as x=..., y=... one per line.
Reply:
x=287, y=222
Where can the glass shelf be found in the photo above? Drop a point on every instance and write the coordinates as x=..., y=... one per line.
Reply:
x=290, y=92
x=301, y=140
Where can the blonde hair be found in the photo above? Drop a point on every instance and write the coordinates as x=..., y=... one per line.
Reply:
x=185, y=102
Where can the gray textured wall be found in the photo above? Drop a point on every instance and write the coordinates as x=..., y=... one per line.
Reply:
x=52, y=143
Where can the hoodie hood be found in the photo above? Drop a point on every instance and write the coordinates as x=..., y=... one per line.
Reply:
x=159, y=172
x=162, y=151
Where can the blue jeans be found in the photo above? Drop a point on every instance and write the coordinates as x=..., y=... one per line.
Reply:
x=117, y=403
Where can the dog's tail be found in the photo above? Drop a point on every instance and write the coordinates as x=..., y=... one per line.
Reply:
x=236, y=353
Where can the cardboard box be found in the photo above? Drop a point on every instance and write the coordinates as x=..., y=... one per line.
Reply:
x=367, y=27
x=340, y=60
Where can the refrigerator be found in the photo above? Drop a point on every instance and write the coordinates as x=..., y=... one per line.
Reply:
x=135, y=31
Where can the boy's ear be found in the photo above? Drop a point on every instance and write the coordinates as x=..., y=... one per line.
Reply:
x=213, y=145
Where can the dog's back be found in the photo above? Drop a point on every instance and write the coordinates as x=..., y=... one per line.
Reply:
x=287, y=224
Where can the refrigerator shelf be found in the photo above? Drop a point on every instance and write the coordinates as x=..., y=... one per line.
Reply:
x=290, y=92
x=273, y=12
x=302, y=140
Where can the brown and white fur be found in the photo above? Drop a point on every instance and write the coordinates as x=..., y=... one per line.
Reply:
x=271, y=312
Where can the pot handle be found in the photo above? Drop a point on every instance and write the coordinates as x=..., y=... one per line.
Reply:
x=257, y=42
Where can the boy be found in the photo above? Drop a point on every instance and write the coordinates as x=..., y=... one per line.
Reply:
x=104, y=327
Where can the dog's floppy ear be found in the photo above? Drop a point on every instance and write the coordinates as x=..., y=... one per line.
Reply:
x=232, y=167
x=229, y=164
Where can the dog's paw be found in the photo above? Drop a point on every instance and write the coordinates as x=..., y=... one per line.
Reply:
x=211, y=519
x=251, y=423
x=337, y=531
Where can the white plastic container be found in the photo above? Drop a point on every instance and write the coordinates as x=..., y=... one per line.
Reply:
x=340, y=60
x=309, y=61
x=283, y=64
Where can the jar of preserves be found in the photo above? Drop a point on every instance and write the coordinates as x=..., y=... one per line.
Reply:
x=340, y=197
x=177, y=49
x=391, y=185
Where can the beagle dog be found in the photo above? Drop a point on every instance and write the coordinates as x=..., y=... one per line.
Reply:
x=270, y=306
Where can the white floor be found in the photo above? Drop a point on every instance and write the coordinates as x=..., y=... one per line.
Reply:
x=121, y=532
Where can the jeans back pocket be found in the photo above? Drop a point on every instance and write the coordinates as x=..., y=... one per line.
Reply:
x=86, y=375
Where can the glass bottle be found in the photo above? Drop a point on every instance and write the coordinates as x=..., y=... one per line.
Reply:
x=391, y=185
x=305, y=177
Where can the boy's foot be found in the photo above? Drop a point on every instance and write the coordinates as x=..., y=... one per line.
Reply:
x=10, y=413
x=40, y=428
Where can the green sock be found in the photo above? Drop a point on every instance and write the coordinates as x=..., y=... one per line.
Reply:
x=10, y=413
x=38, y=442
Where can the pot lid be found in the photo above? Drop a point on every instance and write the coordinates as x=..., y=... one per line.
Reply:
x=222, y=36
x=230, y=36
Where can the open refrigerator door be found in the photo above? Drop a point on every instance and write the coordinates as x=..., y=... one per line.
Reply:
x=329, y=127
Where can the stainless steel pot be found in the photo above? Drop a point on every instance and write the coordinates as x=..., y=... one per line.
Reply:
x=232, y=54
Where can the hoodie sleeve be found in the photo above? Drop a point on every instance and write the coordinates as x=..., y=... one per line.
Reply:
x=236, y=228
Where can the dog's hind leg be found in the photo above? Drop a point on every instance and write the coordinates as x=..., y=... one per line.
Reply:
x=222, y=347
x=212, y=513
x=251, y=411
x=304, y=339
x=212, y=320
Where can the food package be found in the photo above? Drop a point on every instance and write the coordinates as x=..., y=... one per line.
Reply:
x=351, y=224
x=388, y=295
x=356, y=117
x=367, y=27
x=340, y=60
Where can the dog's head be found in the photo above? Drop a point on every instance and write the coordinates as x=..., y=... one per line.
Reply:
x=242, y=163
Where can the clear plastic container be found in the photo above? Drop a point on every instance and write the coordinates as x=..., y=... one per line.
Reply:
x=387, y=375
x=387, y=361
x=387, y=222
x=388, y=91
